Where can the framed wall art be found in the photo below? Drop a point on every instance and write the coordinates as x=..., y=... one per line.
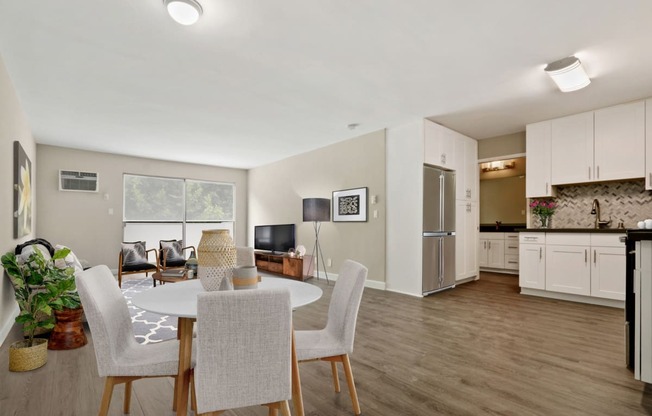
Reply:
x=22, y=192
x=350, y=205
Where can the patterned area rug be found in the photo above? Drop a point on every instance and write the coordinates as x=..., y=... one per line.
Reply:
x=148, y=327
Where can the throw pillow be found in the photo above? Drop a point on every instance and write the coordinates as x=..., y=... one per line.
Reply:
x=172, y=250
x=70, y=260
x=134, y=253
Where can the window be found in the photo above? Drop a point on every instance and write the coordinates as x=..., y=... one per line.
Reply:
x=157, y=208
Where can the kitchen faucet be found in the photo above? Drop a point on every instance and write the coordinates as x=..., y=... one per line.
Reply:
x=595, y=210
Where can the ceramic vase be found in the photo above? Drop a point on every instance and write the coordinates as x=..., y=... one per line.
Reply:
x=216, y=259
x=245, y=277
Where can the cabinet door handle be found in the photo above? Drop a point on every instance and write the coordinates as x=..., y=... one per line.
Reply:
x=594, y=256
x=512, y=247
x=485, y=244
x=540, y=253
x=597, y=172
x=489, y=245
x=585, y=255
x=512, y=262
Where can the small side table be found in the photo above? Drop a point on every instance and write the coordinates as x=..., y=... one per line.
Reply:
x=169, y=279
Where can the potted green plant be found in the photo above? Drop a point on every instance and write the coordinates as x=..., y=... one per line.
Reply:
x=39, y=288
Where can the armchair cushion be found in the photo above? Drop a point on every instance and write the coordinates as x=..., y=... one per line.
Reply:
x=172, y=252
x=134, y=255
x=70, y=260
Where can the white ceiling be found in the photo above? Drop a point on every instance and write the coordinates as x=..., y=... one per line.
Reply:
x=256, y=81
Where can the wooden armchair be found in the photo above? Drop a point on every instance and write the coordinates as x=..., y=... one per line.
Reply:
x=133, y=258
x=171, y=254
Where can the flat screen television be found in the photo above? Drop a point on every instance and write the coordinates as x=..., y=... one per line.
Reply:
x=275, y=238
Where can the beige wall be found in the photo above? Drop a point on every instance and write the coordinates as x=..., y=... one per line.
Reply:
x=498, y=146
x=13, y=126
x=503, y=200
x=276, y=192
x=81, y=220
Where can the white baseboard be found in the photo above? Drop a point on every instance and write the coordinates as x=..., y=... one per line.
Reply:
x=612, y=303
x=414, y=295
x=9, y=323
x=373, y=284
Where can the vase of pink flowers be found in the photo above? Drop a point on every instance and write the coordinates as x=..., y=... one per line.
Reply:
x=544, y=210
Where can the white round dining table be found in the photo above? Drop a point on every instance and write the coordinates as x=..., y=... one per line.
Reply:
x=180, y=300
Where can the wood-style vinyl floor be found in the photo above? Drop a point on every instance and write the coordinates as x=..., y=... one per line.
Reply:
x=479, y=349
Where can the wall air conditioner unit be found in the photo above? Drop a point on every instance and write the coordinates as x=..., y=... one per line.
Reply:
x=72, y=180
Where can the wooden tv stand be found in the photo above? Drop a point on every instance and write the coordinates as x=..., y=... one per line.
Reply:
x=282, y=264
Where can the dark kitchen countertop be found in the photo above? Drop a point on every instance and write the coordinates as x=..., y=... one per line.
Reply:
x=574, y=230
x=638, y=234
x=502, y=228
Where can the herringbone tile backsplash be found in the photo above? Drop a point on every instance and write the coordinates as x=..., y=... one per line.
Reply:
x=628, y=202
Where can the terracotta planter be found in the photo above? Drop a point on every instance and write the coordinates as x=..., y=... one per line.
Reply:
x=68, y=333
x=24, y=358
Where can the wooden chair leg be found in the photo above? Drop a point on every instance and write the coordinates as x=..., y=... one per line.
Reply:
x=285, y=408
x=106, y=396
x=193, y=395
x=273, y=409
x=127, y=401
x=174, y=395
x=349, y=379
x=336, y=379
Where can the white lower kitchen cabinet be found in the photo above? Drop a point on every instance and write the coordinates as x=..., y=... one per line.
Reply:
x=532, y=265
x=583, y=267
x=491, y=252
x=568, y=269
x=608, y=266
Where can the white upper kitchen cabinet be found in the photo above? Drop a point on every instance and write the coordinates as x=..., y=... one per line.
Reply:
x=571, y=141
x=538, y=166
x=438, y=145
x=619, y=140
x=467, y=169
x=648, y=144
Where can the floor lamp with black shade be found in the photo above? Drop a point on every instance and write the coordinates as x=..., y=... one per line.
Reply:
x=317, y=210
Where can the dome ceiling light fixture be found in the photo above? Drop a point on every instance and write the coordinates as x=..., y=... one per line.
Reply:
x=185, y=12
x=568, y=74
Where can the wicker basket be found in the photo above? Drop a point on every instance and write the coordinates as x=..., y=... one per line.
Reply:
x=24, y=358
x=216, y=259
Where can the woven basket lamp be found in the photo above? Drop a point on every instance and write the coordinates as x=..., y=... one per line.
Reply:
x=216, y=259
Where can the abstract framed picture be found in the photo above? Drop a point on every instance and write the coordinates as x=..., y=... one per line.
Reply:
x=350, y=205
x=22, y=192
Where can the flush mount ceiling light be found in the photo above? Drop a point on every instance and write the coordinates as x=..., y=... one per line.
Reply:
x=495, y=166
x=568, y=74
x=185, y=12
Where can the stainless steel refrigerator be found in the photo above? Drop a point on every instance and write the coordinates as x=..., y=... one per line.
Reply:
x=438, y=229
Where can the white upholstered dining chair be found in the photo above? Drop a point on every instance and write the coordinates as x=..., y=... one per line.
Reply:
x=334, y=343
x=120, y=358
x=244, y=351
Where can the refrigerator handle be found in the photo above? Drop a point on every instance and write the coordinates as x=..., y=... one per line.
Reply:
x=441, y=200
x=441, y=260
